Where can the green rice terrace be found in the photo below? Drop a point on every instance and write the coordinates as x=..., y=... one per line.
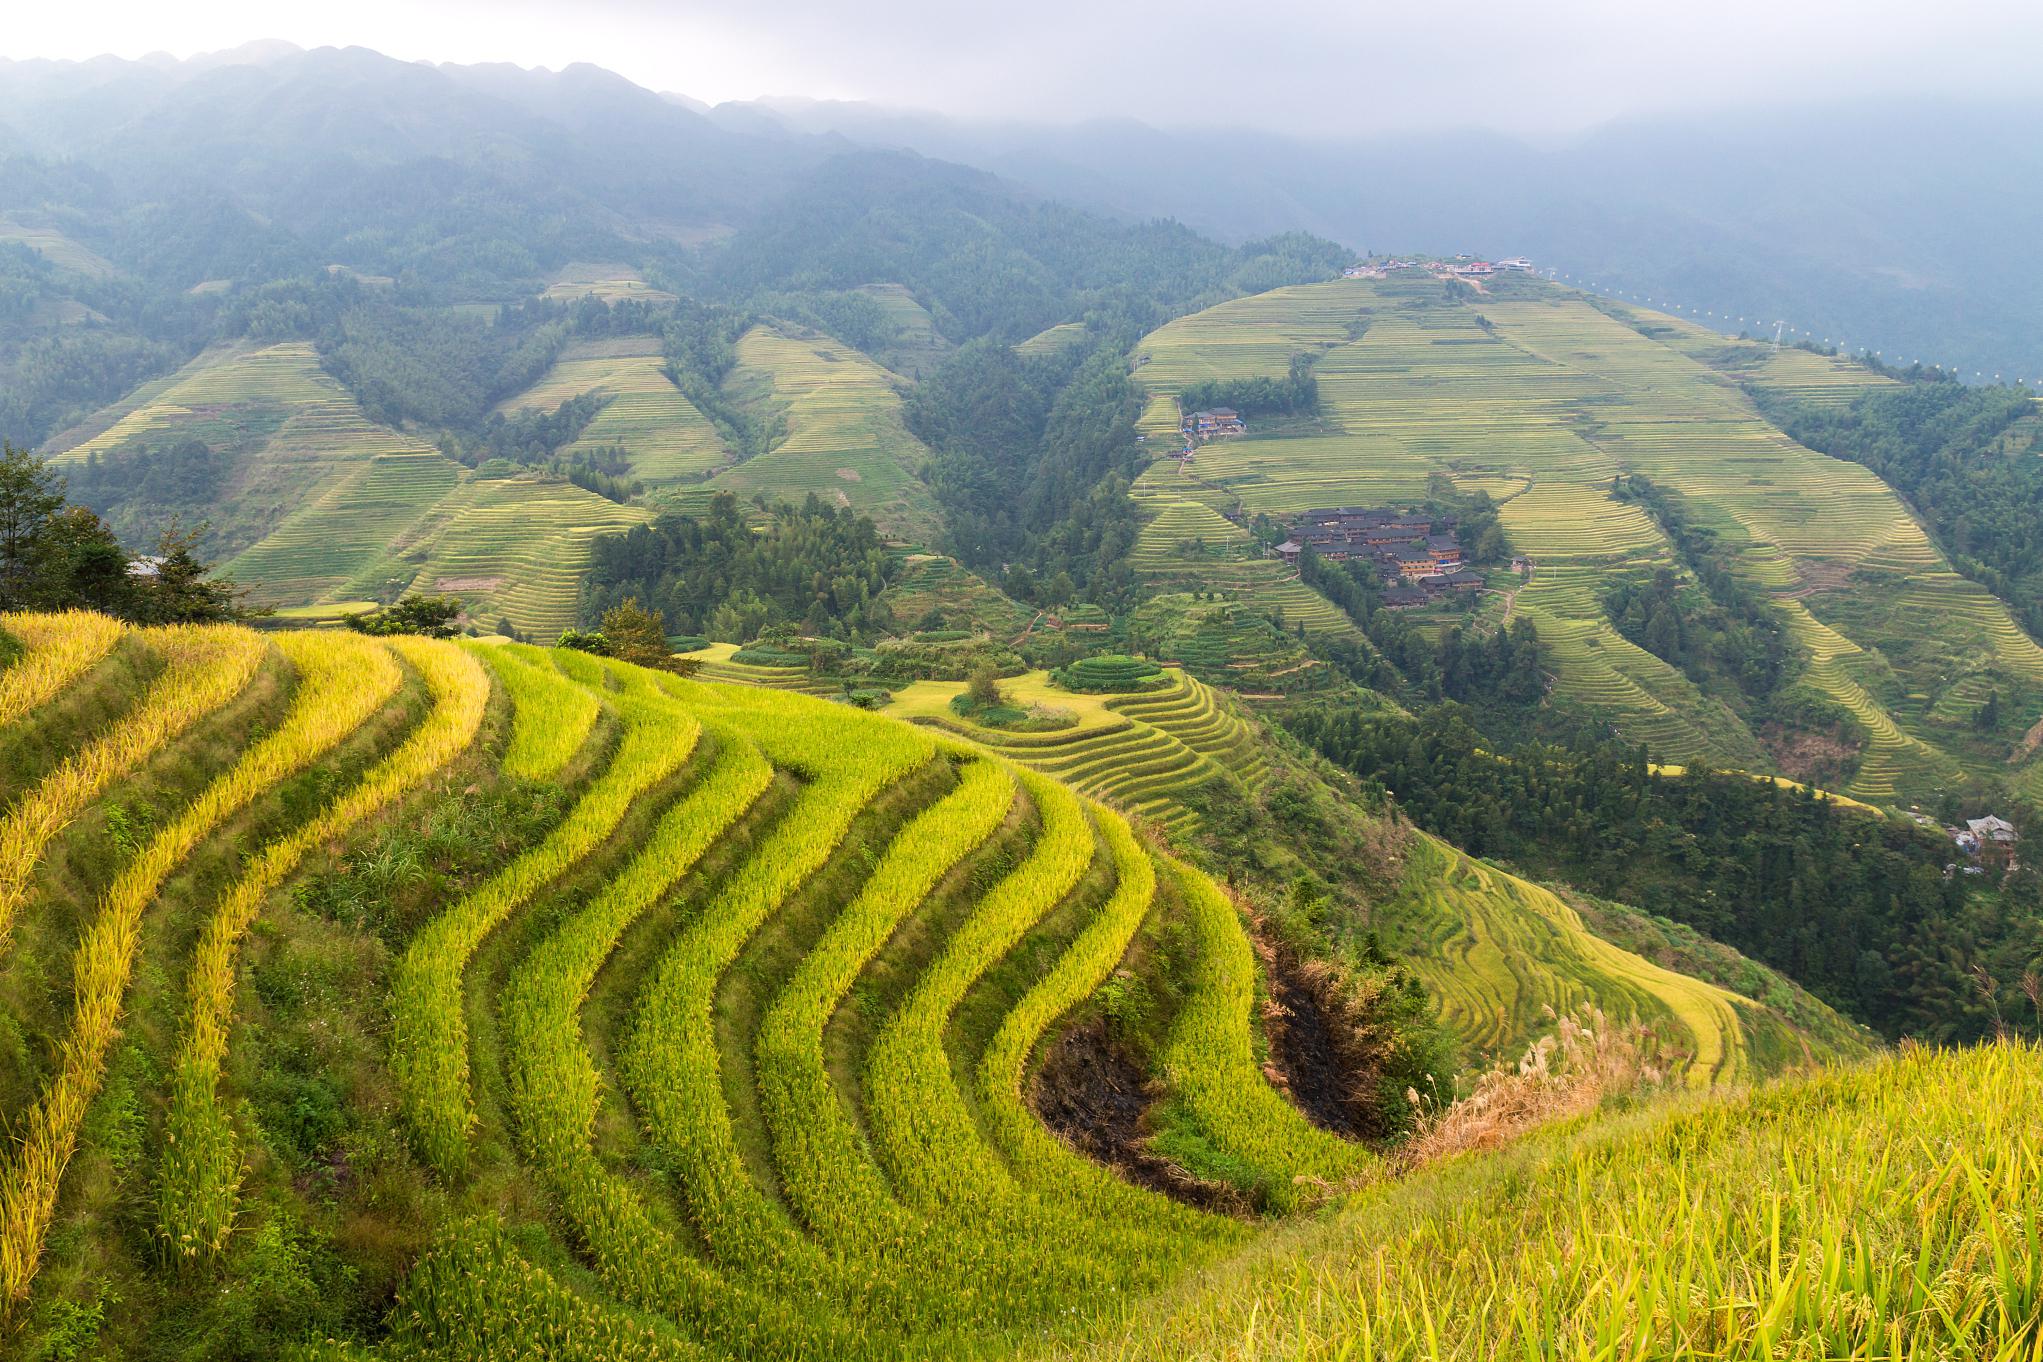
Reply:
x=667, y=440
x=1185, y=543
x=843, y=437
x=321, y=506
x=1542, y=396
x=476, y=1000
x=1503, y=956
x=915, y=347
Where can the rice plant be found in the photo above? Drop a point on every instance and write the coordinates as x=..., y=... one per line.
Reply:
x=200, y=1170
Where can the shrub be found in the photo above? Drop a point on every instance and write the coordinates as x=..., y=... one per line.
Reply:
x=432, y=616
x=1110, y=674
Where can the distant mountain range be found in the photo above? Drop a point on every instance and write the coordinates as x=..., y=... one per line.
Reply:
x=1899, y=228
x=1905, y=228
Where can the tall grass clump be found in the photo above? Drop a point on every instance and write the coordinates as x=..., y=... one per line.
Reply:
x=1588, y=1059
x=1886, y=1211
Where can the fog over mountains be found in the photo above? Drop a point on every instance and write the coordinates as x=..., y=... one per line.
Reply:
x=1843, y=220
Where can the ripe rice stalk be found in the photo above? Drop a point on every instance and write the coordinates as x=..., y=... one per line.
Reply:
x=429, y=1033
x=60, y=647
x=171, y=704
x=208, y=665
x=550, y=715
x=200, y=1173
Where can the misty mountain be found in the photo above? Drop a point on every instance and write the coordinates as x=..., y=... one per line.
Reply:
x=1842, y=220
x=371, y=162
x=153, y=206
x=269, y=159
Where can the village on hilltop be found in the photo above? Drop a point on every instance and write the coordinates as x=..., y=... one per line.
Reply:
x=1461, y=267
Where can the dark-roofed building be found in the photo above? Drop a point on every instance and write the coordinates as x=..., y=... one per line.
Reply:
x=1412, y=561
x=1403, y=597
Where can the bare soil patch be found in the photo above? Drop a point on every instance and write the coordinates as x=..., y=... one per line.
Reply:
x=1813, y=758
x=1093, y=1095
x=1307, y=1062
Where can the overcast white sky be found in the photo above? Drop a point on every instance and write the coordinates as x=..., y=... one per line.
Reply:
x=1532, y=66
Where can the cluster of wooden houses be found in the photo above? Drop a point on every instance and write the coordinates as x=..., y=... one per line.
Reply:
x=1214, y=424
x=1419, y=558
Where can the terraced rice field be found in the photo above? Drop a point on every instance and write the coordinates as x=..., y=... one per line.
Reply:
x=669, y=441
x=609, y=281
x=717, y=664
x=844, y=441
x=326, y=507
x=1496, y=950
x=511, y=548
x=1053, y=340
x=315, y=490
x=1540, y=392
x=66, y=253
x=736, y=877
x=1803, y=374
x=1503, y=956
x=1251, y=337
x=334, y=545
x=1135, y=751
x=930, y=581
x=1187, y=543
x=916, y=348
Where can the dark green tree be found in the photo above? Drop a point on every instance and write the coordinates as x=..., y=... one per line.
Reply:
x=432, y=616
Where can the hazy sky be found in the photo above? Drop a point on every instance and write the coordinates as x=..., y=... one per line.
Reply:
x=1337, y=65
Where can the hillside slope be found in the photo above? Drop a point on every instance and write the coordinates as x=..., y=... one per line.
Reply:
x=1541, y=396
x=668, y=441
x=490, y=935
x=1501, y=956
x=842, y=437
x=1880, y=1211
x=282, y=433
x=310, y=503
x=572, y=1003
